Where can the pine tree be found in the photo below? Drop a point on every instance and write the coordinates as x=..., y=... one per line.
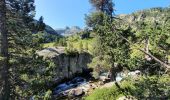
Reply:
x=105, y=6
x=102, y=7
x=110, y=51
x=5, y=83
x=19, y=42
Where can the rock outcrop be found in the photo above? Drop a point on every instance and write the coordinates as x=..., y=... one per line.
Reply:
x=67, y=66
x=68, y=30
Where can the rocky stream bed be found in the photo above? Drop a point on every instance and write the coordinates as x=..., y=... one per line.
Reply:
x=79, y=87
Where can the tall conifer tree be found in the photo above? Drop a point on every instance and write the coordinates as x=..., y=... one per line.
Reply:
x=4, y=68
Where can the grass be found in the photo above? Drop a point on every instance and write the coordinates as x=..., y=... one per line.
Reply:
x=112, y=93
x=84, y=42
x=45, y=45
x=146, y=87
x=76, y=44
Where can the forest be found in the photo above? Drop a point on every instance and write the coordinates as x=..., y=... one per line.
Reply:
x=115, y=57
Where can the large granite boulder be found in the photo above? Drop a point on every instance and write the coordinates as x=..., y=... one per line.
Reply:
x=67, y=66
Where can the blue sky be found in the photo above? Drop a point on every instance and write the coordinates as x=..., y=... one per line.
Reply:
x=61, y=13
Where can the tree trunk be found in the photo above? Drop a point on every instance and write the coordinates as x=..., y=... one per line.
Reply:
x=166, y=66
x=168, y=59
x=113, y=72
x=5, y=86
x=147, y=49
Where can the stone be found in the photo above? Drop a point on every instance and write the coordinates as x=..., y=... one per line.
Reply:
x=76, y=92
x=67, y=66
x=108, y=85
x=93, y=86
x=85, y=86
x=127, y=98
x=104, y=77
x=133, y=73
x=101, y=83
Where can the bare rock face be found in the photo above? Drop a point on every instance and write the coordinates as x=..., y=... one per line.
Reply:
x=67, y=66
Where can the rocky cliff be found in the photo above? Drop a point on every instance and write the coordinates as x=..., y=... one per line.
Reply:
x=67, y=66
x=68, y=30
x=153, y=15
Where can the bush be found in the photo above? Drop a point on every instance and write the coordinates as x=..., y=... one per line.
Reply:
x=48, y=95
x=61, y=42
x=80, y=47
x=153, y=87
x=112, y=93
x=146, y=88
x=104, y=94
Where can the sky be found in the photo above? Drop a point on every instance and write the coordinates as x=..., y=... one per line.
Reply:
x=62, y=13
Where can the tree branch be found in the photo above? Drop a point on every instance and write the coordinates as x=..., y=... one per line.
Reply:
x=166, y=66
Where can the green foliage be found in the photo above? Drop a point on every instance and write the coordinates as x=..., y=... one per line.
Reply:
x=86, y=47
x=48, y=95
x=94, y=19
x=44, y=37
x=112, y=93
x=38, y=78
x=136, y=59
x=101, y=63
x=21, y=50
x=41, y=24
x=70, y=46
x=81, y=47
x=74, y=42
x=105, y=94
x=105, y=6
x=109, y=46
x=153, y=87
x=150, y=87
x=61, y=42
x=151, y=33
x=29, y=75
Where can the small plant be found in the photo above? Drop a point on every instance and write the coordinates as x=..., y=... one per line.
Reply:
x=48, y=95
x=80, y=47
x=86, y=47
x=112, y=93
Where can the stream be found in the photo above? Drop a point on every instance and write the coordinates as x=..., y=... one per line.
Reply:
x=79, y=86
x=76, y=87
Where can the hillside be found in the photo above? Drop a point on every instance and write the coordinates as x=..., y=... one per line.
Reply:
x=50, y=30
x=114, y=57
x=153, y=15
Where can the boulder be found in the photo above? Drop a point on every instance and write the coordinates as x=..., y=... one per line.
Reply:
x=133, y=73
x=76, y=92
x=104, y=77
x=67, y=66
